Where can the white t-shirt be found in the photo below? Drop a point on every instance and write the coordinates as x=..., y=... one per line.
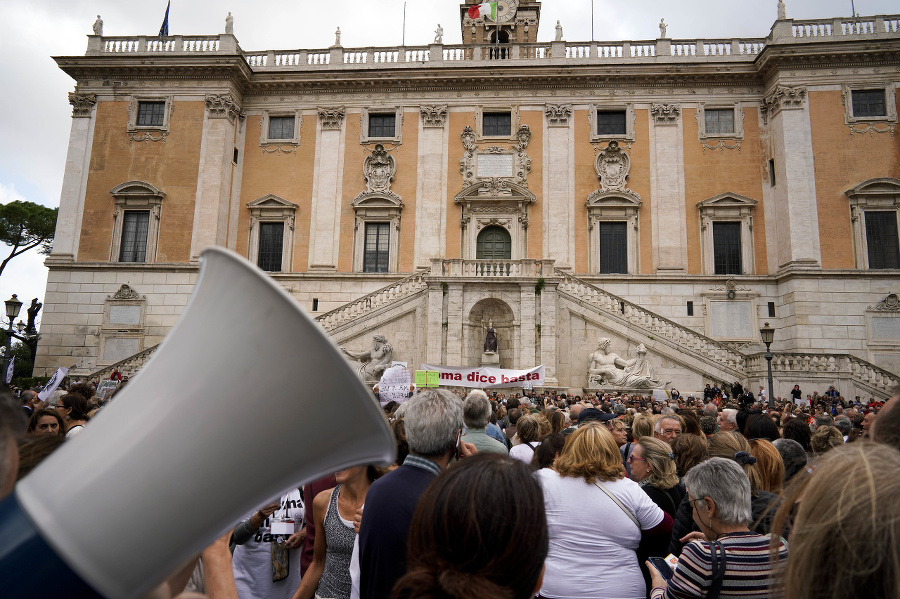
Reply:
x=523, y=451
x=592, y=541
x=252, y=564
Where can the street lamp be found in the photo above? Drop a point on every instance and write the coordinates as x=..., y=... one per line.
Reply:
x=768, y=336
x=13, y=305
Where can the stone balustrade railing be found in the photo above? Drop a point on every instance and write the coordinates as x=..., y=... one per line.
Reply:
x=837, y=365
x=561, y=52
x=653, y=324
x=128, y=367
x=367, y=304
x=492, y=268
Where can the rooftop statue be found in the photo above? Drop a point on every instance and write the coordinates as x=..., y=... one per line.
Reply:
x=98, y=26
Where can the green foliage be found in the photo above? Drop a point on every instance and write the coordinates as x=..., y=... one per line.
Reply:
x=540, y=285
x=23, y=366
x=25, y=226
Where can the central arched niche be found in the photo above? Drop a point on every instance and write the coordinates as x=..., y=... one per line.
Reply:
x=485, y=311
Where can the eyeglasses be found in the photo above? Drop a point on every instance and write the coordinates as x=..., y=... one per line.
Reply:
x=632, y=458
x=693, y=501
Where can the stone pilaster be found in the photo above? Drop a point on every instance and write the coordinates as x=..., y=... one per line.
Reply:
x=548, y=333
x=431, y=185
x=527, y=322
x=792, y=220
x=327, y=187
x=214, y=181
x=433, y=340
x=71, y=199
x=455, y=333
x=559, y=185
x=667, y=189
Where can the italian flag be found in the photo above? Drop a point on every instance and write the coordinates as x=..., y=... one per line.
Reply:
x=488, y=9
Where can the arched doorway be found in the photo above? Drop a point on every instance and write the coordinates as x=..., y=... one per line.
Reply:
x=494, y=243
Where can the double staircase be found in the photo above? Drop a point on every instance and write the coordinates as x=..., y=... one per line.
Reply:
x=640, y=322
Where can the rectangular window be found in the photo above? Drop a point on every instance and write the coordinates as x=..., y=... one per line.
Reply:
x=690, y=308
x=135, y=225
x=151, y=114
x=868, y=102
x=271, y=246
x=377, y=247
x=771, y=309
x=719, y=121
x=772, y=172
x=881, y=239
x=382, y=125
x=315, y=304
x=727, y=248
x=281, y=127
x=496, y=124
x=613, y=248
x=234, y=157
x=610, y=122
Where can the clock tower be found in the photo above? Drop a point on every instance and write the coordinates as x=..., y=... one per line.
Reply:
x=517, y=23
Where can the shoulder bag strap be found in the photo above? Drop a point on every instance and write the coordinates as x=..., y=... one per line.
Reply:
x=718, y=570
x=619, y=503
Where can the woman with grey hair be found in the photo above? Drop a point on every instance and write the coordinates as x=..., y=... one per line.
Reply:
x=726, y=558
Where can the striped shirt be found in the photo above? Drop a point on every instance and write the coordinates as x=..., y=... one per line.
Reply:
x=749, y=573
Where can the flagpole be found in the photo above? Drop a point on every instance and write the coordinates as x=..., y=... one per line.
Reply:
x=592, y=20
x=404, y=25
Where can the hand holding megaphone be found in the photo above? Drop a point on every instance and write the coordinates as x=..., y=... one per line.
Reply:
x=224, y=417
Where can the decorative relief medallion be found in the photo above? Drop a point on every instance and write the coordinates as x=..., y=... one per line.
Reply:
x=126, y=293
x=82, y=104
x=665, y=114
x=558, y=115
x=433, y=116
x=378, y=169
x=612, y=165
x=331, y=118
x=891, y=303
x=223, y=106
x=783, y=98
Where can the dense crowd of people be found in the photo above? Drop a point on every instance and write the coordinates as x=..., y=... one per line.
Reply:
x=505, y=495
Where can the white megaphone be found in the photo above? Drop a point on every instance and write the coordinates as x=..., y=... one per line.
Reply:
x=224, y=417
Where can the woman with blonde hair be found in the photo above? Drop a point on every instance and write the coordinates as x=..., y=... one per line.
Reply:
x=825, y=439
x=769, y=465
x=588, y=486
x=848, y=502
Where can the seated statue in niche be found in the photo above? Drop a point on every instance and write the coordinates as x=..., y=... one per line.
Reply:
x=490, y=339
x=373, y=362
x=609, y=369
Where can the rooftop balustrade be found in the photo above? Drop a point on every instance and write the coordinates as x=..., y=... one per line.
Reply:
x=551, y=53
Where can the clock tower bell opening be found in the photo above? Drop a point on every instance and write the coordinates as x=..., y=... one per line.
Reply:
x=516, y=23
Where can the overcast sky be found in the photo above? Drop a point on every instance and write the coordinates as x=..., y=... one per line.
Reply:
x=35, y=115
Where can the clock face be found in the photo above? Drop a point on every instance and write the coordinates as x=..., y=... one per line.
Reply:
x=506, y=10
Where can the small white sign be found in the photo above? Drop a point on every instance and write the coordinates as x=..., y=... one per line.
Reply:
x=394, y=385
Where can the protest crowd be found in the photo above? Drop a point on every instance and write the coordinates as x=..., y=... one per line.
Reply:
x=520, y=494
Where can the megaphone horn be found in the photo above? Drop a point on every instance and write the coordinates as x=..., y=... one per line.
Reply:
x=225, y=416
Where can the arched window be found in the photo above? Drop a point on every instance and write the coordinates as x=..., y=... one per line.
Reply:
x=494, y=243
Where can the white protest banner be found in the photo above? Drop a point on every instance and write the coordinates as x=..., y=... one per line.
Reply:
x=394, y=385
x=53, y=383
x=9, y=370
x=486, y=377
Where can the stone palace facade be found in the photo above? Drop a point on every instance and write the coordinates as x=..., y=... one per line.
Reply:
x=673, y=193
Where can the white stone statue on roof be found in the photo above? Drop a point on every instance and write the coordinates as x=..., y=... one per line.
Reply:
x=662, y=28
x=229, y=24
x=439, y=35
x=98, y=26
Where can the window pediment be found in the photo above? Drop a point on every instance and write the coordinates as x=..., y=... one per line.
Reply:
x=271, y=201
x=727, y=200
x=883, y=187
x=614, y=199
x=131, y=189
x=493, y=190
x=383, y=199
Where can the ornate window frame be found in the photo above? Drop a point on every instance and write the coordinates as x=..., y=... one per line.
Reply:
x=614, y=206
x=514, y=122
x=364, y=137
x=376, y=207
x=869, y=124
x=727, y=207
x=499, y=202
x=136, y=195
x=628, y=107
x=737, y=134
x=882, y=195
x=133, y=127
x=272, y=209
x=279, y=144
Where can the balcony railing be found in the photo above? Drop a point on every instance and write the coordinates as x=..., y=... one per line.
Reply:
x=492, y=268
